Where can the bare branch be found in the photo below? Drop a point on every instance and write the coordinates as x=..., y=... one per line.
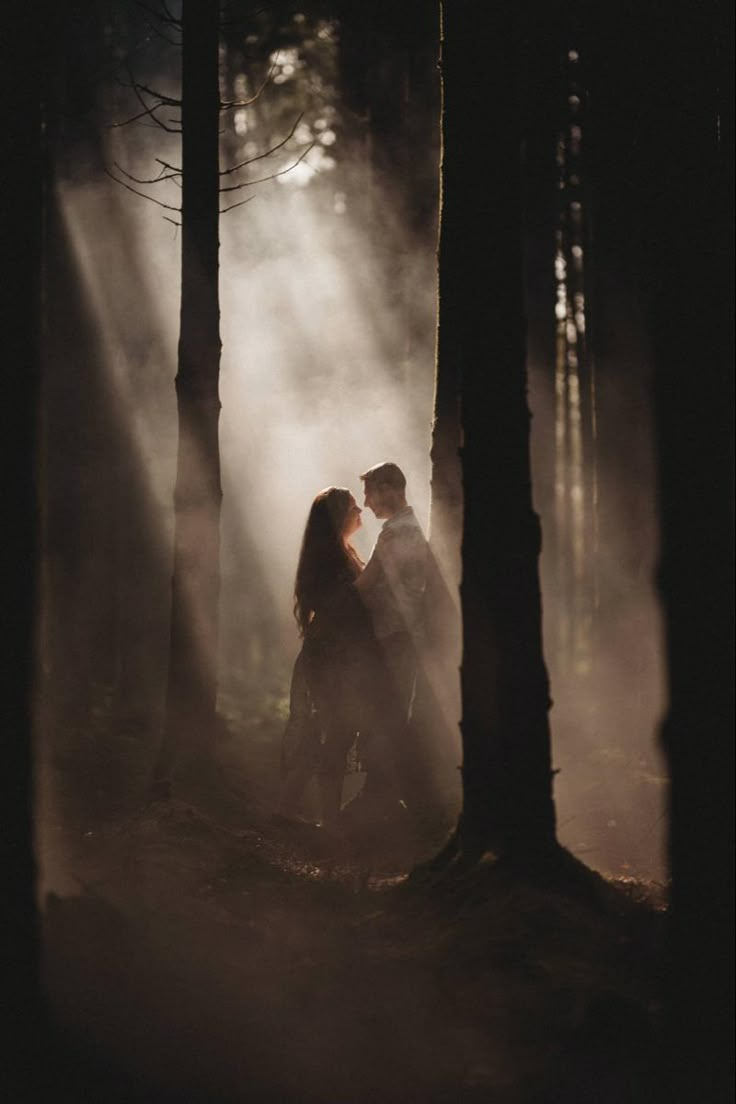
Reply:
x=260, y=156
x=164, y=126
x=169, y=130
x=147, y=10
x=137, y=90
x=234, y=25
x=166, y=206
x=170, y=18
x=234, y=205
x=109, y=70
x=160, y=33
x=169, y=101
x=172, y=221
x=262, y=179
x=165, y=165
x=153, y=180
x=167, y=18
x=140, y=115
x=246, y=103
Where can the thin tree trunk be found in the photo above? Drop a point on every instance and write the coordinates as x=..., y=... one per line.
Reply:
x=192, y=678
x=507, y=793
x=446, y=508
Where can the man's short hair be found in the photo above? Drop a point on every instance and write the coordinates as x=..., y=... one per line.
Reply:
x=388, y=474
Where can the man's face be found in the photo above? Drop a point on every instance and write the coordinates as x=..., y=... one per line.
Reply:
x=374, y=499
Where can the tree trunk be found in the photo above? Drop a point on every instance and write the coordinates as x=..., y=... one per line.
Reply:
x=192, y=678
x=446, y=503
x=686, y=131
x=23, y=151
x=507, y=798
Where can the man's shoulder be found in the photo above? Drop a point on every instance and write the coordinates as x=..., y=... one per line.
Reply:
x=405, y=523
x=401, y=543
x=400, y=534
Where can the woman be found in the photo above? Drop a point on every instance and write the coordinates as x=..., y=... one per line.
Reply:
x=333, y=674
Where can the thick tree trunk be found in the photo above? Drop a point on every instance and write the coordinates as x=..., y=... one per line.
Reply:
x=22, y=170
x=505, y=695
x=192, y=679
x=686, y=131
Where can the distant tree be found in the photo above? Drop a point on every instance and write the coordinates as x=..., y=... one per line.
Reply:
x=506, y=772
x=191, y=693
x=192, y=677
x=390, y=94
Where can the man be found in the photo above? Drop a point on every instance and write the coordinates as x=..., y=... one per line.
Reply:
x=392, y=587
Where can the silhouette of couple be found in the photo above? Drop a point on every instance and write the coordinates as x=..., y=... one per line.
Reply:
x=361, y=624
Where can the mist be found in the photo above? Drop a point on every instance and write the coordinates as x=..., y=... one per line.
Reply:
x=328, y=321
x=544, y=920
x=315, y=388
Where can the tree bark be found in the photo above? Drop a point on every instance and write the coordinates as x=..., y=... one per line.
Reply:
x=23, y=179
x=192, y=677
x=507, y=793
x=686, y=133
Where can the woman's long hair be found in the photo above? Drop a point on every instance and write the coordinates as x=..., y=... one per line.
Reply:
x=325, y=558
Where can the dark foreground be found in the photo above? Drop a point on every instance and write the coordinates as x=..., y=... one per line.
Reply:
x=196, y=951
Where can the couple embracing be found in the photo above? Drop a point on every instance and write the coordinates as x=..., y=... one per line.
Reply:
x=355, y=675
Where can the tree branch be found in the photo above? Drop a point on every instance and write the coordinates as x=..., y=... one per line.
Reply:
x=166, y=206
x=153, y=180
x=226, y=106
x=167, y=18
x=148, y=110
x=234, y=25
x=137, y=90
x=263, y=179
x=169, y=101
x=160, y=33
x=260, y=156
x=165, y=165
x=234, y=205
x=110, y=70
x=169, y=130
x=140, y=115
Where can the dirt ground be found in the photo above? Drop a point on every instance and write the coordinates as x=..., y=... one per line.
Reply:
x=194, y=950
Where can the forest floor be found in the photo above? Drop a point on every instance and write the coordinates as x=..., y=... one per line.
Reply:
x=195, y=950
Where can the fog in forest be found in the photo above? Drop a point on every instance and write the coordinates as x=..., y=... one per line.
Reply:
x=328, y=319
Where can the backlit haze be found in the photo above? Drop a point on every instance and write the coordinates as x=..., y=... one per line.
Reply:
x=328, y=320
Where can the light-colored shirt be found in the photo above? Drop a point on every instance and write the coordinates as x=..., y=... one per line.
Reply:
x=395, y=577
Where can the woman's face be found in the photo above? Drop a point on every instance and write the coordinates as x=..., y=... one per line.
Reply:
x=352, y=520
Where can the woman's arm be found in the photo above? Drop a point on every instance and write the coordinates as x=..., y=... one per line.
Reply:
x=374, y=571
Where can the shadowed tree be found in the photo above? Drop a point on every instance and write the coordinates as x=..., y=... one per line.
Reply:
x=191, y=692
x=664, y=169
x=388, y=57
x=29, y=1059
x=192, y=677
x=507, y=779
x=687, y=276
